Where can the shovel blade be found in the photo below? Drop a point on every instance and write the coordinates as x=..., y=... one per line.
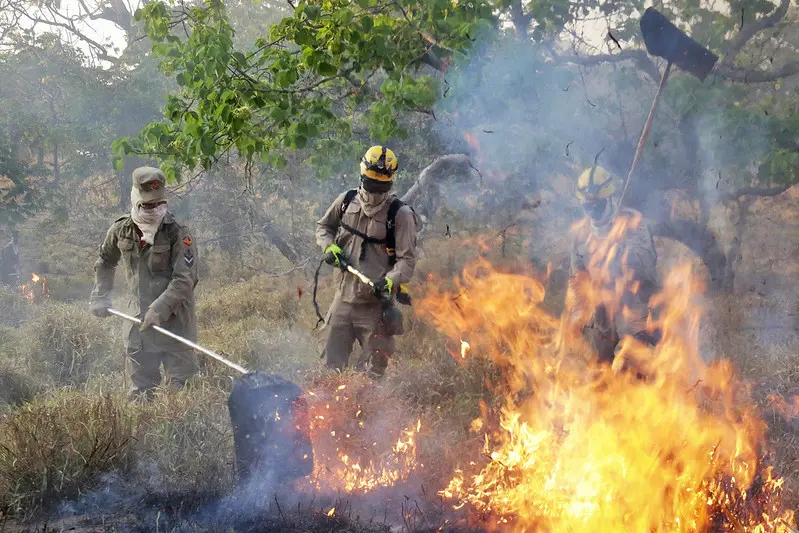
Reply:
x=664, y=39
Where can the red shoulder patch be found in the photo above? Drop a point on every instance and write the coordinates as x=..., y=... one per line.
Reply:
x=187, y=241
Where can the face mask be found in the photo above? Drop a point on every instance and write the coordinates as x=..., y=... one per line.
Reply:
x=147, y=220
x=599, y=211
x=595, y=210
x=375, y=186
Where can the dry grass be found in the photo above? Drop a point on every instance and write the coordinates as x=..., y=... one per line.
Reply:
x=14, y=308
x=65, y=344
x=57, y=447
x=184, y=442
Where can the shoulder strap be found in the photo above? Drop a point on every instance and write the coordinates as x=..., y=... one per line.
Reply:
x=391, y=226
x=348, y=199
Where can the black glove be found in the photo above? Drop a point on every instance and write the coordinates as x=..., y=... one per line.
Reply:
x=382, y=286
x=100, y=308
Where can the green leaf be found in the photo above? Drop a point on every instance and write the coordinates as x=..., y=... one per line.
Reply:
x=207, y=144
x=326, y=69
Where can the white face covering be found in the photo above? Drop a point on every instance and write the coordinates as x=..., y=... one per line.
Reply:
x=371, y=202
x=148, y=220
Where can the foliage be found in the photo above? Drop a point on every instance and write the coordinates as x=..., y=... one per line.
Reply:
x=18, y=198
x=322, y=73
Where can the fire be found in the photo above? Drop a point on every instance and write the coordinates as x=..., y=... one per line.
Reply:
x=676, y=445
x=36, y=290
x=465, y=348
x=358, y=448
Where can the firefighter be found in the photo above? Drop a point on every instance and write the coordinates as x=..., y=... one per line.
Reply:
x=9, y=261
x=634, y=254
x=373, y=230
x=159, y=261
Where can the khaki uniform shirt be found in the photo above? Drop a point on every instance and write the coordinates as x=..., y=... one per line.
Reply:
x=637, y=250
x=375, y=262
x=162, y=276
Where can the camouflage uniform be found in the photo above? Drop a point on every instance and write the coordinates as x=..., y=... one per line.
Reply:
x=637, y=250
x=160, y=276
x=356, y=313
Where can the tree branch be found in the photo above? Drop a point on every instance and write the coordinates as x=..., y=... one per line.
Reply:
x=102, y=53
x=756, y=191
x=520, y=19
x=757, y=76
x=640, y=57
x=748, y=32
x=425, y=194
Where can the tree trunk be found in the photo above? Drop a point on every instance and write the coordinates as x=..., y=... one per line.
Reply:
x=701, y=241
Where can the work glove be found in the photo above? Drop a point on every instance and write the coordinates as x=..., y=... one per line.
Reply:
x=151, y=318
x=334, y=254
x=100, y=307
x=382, y=286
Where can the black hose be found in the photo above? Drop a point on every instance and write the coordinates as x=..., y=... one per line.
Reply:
x=315, y=288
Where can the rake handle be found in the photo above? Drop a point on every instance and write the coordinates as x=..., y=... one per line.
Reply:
x=639, y=151
x=185, y=341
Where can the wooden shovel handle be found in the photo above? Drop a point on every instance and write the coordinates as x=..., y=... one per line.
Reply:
x=644, y=134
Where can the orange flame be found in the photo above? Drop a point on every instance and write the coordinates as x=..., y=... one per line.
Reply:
x=583, y=446
x=36, y=290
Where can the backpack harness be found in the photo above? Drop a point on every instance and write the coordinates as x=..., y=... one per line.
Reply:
x=391, y=225
x=390, y=243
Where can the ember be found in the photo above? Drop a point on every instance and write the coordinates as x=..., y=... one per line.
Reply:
x=356, y=449
x=581, y=446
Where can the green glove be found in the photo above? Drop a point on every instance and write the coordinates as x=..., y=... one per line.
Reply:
x=334, y=254
x=383, y=285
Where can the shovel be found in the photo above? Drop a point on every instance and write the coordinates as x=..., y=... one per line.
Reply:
x=271, y=430
x=664, y=39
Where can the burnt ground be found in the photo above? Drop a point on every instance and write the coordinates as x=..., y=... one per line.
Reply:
x=248, y=512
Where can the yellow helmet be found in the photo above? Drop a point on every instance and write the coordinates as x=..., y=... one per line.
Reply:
x=594, y=184
x=379, y=163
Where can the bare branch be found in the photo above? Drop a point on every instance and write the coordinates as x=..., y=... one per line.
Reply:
x=748, y=32
x=638, y=56
x=69, y=25
x=756, y=191
x=425, y=194
x=757, y=76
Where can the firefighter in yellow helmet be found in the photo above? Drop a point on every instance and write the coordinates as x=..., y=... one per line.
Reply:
x=631, y=257
x=373, y=230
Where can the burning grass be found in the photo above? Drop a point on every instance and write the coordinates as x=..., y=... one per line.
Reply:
x=672, y=445
x=360, y=441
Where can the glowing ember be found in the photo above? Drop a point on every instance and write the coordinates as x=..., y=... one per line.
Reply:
x=357, y=449
x=580, y=446
x=331, y=512
x=36, y=290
